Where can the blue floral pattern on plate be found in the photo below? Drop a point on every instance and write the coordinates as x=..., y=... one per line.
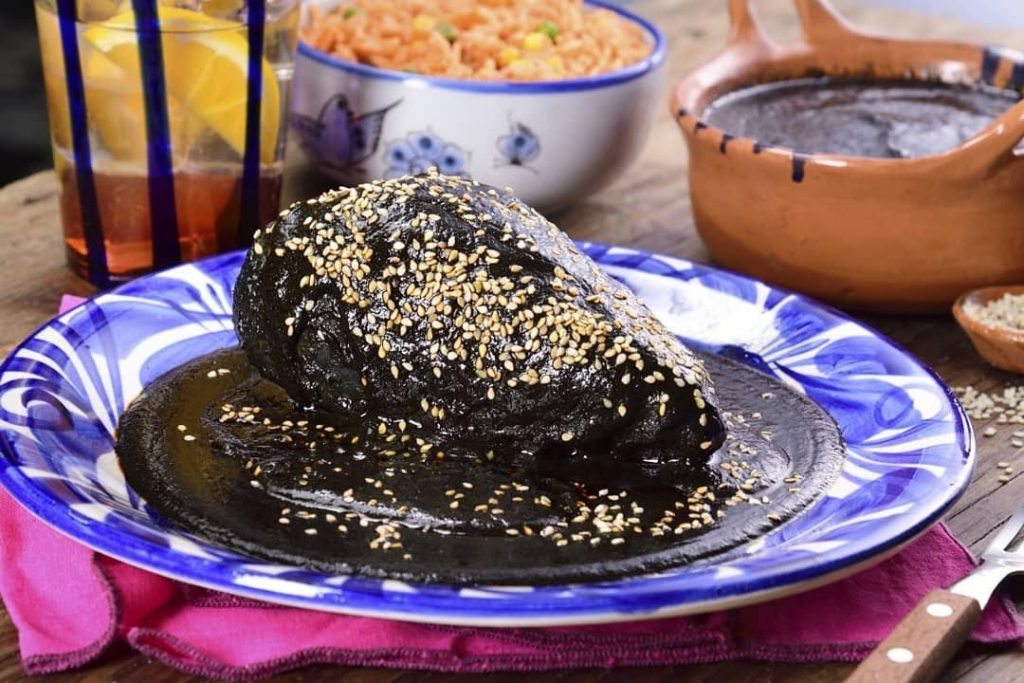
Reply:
x=910, y=446
x=421, y=150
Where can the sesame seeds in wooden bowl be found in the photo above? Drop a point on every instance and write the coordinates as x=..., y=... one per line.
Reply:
x=993, y=318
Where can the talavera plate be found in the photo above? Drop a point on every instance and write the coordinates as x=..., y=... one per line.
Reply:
x=910, y=447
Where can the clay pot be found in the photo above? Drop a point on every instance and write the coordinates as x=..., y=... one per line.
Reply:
x=898, y=235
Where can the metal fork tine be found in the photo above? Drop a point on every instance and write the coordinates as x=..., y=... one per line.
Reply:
x=1000, y=543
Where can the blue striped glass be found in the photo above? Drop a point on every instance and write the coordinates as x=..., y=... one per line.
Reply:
x=167, y=127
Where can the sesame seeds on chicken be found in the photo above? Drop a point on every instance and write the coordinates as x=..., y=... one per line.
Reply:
x=457, y=309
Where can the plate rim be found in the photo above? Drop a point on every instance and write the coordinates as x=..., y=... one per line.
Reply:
x=586, y=619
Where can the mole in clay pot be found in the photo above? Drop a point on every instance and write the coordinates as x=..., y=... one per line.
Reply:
x=875, y=173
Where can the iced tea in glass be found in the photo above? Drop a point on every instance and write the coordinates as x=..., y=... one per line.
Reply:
x=168, y=145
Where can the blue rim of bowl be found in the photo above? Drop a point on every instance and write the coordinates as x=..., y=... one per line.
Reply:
x=628, y=73
x=784, y=579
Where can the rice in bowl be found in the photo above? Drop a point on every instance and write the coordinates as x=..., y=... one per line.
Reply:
x=488, y=40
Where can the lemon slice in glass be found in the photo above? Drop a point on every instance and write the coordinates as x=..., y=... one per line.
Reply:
x=117, y=113
x=205, y=70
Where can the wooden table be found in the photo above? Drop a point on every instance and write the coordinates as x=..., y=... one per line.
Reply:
x=648, y=208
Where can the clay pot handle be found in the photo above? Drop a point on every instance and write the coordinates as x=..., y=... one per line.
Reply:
x=819, y=20
x=744, y=28
x=821, y=23
x=1012, y=121
x=993, y=147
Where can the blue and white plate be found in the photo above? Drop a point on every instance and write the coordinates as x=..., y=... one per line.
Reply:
x=910, y=447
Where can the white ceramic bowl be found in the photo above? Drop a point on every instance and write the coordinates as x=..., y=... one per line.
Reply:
x=553, y=142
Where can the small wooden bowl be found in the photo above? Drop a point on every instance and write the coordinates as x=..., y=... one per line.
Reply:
x=1001, y=346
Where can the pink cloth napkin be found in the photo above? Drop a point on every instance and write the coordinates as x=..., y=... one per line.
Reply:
x=70, y=604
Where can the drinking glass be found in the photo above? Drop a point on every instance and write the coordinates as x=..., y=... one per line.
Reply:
x=167, y=120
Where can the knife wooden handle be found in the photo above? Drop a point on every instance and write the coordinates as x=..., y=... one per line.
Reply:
x=923, y=643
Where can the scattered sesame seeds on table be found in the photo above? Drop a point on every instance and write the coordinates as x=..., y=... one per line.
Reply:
x=648, y=208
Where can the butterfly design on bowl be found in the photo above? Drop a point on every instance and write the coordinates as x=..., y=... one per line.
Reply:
x=337, y=136
x=420, y=150
x=519, y=147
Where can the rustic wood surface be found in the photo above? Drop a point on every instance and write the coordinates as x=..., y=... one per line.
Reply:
x=648, y=208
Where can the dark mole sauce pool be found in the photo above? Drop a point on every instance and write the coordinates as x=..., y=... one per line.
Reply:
x=895, y=119
x=224, y=454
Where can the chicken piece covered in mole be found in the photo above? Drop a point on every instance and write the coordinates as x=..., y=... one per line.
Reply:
x=456, y=315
